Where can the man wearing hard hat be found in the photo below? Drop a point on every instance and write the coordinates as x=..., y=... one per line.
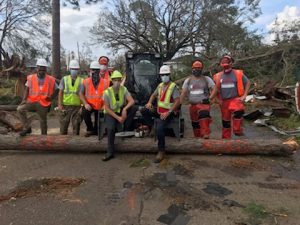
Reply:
x=118, y=109
x=168, y=101
x=232, y=87
x=39, y=92
x=69, y=101
x=91, y=95
x=198, y=88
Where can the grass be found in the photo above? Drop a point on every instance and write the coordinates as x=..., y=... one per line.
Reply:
x=291, y=123
x=140, y=163
x=256, y=213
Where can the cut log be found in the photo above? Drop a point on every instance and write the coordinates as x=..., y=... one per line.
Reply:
x=11, y=120
x=60, y=143
x=8, y=107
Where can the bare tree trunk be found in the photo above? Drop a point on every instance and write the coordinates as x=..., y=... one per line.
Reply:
x=56, y=38
x=63, y=143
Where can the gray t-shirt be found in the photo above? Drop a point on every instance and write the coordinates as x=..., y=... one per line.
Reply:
x=228, y=84
x=107, y=99
x=198, y=89
x=175, y=93
x=62, y=85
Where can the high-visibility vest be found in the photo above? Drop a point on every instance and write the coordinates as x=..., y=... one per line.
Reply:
x=40, y=93
x=71, y=96
x=164, y=101
x=114, y=104
x=239, y=77
x=106, y=76
x=94, y=97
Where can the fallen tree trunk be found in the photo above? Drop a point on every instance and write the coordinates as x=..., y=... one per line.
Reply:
x=60, y=143
x=11, y=120
x=8, y=107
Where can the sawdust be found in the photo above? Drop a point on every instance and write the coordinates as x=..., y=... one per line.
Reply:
x=33, y=187
x=247, y=164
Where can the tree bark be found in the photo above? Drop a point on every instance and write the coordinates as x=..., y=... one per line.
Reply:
x=56, y=38
x=11, y=120
x=8, y=107
x=61, y=143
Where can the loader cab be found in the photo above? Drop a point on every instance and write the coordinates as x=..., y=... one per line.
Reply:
x=142, y=75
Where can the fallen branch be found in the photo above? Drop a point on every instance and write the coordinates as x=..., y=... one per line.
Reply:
x=8, y=107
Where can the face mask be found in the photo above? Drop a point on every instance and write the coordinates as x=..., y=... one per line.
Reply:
x=95, y=75
x=103, y=67
x=226, y=67
x=74, y=73
x=41, y=74
x=116, y=84
x=165, y=79
x=197, y=73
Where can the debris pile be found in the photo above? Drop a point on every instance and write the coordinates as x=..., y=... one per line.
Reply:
x=271, y=103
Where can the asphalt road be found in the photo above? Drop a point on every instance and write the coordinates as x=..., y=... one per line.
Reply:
x=41, y=188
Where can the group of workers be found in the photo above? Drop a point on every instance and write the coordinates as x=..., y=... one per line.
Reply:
x=103, y=95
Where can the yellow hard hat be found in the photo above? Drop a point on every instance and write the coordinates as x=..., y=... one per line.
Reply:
x=116, y=74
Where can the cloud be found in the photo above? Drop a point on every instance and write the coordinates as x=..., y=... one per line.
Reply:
x=289, y=14
x=75, y=26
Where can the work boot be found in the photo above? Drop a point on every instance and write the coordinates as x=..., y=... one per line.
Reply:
x=206, y=136
x=107, y=157
x=237, y=127
x=159, y=157
x=88, y=133
x=23, y=133
x=197, y=132
x=239, y=134
x=204, y=127
x=226, y=133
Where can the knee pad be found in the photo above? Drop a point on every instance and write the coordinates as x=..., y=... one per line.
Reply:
x=226, y=124
x=203, y=114
x=238, y=114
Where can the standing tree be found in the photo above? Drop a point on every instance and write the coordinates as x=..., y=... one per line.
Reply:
x=23, y=29
x=56, y=31
x=168, y=26
x=56, y=38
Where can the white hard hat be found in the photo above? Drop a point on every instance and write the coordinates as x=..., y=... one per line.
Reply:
x=95, y=65
x=74, y=64
x=165, y=69
x=41, y=62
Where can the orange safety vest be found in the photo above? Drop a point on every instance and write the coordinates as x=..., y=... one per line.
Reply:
x=40, y=93
x=106, y=76
x=95, y=97
x=239, y=77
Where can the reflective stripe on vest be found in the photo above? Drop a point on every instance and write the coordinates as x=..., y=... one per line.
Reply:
x=95, y=97
x=239, y=77
x=71, y=96
x=38, y=93
x=164, y=97
x=114, y=104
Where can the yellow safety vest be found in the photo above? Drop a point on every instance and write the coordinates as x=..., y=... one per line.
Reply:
x=166, y=102
x=114, y=104
x=70, y=96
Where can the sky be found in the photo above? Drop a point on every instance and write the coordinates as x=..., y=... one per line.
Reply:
x=75, y=24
